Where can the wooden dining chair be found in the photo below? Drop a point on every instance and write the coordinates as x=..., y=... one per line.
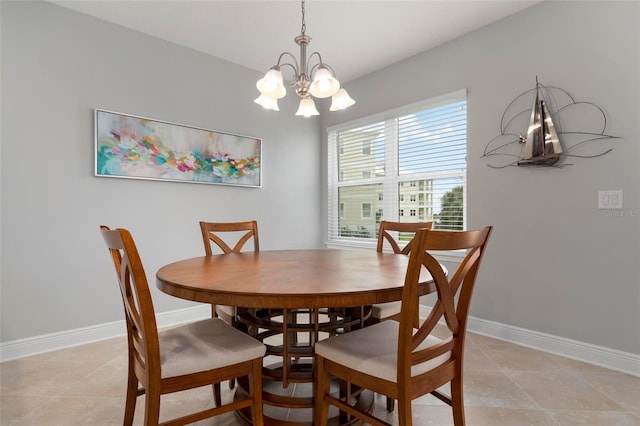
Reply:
x=240, y=233
x=198, y=354
x=212, y=238
x=405, y=231
x=402, y=359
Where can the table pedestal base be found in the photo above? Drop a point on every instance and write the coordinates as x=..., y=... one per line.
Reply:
x=289, y=335
x=302, y=416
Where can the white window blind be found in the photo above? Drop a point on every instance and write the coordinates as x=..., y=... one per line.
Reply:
x=406, y=165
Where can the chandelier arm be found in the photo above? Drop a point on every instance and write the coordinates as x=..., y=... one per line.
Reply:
x=324, y=64
x=295, y=61
x=313, y=68
x=296, y=75
x=316, y=53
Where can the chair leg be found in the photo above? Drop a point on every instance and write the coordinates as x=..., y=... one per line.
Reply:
x=404, y=412
x=217, y=394
x=255, y=384
x=152, y=408
x=321, y=407
x=390, y=404
x=132, y=396
x=232, y=383
x=345, y=394
x=457, y=401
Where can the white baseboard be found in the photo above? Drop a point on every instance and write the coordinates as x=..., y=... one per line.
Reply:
x=612, y=359
x=593, y=354
x=50, y=342
x=605, y=357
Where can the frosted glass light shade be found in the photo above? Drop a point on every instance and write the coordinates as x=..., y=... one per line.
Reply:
x=324, y=83
x=341, y=100
x=307, y=108
x=271, y=84
x=267, y=102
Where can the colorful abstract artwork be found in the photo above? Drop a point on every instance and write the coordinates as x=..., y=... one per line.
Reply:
x=128, y=146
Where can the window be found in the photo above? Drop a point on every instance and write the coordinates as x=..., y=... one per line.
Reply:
x=366, y=148
x=416, y=153
x=366, y=210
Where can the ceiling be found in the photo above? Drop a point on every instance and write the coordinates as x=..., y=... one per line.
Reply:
x=355, y=37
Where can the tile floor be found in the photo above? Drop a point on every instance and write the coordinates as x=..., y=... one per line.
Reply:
x=505, y=384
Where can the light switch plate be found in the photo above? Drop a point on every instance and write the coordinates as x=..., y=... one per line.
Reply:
x=610, y=199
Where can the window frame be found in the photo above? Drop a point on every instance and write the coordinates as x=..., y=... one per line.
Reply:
x=392, y=177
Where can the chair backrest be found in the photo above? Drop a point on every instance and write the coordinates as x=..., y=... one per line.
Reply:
x=211, y=231
x=449, y=287
x=142, y=331
x=386, y=227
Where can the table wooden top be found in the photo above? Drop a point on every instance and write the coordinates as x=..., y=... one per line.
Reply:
x=289, y=278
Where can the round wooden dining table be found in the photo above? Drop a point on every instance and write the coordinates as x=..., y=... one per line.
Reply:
x=290, y=281
x=288, y=278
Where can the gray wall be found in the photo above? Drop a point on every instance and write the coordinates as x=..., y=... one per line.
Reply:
x=556, y=264
x=57, y=66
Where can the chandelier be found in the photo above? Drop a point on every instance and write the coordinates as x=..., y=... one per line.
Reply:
x=318, y=81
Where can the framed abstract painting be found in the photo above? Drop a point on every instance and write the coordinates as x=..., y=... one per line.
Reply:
x=128, y=146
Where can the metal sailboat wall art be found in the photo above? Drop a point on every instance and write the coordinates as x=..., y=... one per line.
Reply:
x=558, y=127
x=542, y=145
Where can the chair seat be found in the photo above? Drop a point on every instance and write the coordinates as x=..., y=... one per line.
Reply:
x=373, y=350
x=189, y=348
x=386, y=310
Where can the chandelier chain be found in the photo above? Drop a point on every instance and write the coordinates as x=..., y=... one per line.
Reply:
x=304, y=25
